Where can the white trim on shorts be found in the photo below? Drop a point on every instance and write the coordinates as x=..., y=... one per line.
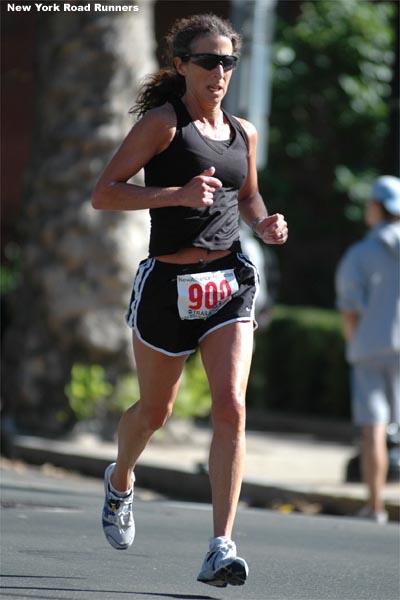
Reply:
x=238, y=320
x=246, y=261
x=143, y=273
x=184, y=353
x=144, y=270
x=147, y=267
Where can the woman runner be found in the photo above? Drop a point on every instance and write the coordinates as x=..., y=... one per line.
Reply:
x=196, y=289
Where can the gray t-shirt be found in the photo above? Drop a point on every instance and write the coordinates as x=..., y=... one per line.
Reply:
x=368, y=282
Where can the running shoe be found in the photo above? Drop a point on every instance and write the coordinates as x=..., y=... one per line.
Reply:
x=118, y=523
x=381, y=517
x=222, y=566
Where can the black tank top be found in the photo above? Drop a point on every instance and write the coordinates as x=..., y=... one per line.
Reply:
x=190, y=153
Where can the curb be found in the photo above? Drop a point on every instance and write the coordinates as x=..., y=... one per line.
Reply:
x=193, y=485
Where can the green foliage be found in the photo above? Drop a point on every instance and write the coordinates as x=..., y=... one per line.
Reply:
x=126, y=392
x=8, y=279
x=333, y=70
x=299, y=364
x=193, y=398
x=10, y=270
x=91, y=395
x=356, y=189
x=329, y=120
x=87, y=389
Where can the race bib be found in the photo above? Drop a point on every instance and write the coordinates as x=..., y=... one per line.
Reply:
x=201, y=295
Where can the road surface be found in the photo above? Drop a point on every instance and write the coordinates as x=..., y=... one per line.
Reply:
x=52, y=547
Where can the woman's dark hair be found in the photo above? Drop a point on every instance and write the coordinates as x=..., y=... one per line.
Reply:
x=168, y=84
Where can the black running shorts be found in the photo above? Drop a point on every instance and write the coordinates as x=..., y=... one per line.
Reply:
x=153, y=309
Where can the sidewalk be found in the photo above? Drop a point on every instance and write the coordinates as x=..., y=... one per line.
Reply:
x=286, y=471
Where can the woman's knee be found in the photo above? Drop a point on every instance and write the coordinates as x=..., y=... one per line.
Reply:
x=154, y=418
x=230, y=409
x=151, y=418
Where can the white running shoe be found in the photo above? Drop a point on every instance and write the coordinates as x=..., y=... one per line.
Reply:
x=222, y=566
x=381, y=517
x=118, y=523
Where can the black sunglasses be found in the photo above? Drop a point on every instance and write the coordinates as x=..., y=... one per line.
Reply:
x=210, y=61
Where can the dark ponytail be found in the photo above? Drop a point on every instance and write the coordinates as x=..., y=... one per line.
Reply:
x=162, y=87
x=168, y=85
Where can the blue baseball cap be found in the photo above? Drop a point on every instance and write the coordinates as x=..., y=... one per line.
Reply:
x=386, y=190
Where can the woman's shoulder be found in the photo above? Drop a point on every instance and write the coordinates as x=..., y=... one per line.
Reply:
x=249, y=133
x=159, y=124
x=248, y=127
x=162, y=116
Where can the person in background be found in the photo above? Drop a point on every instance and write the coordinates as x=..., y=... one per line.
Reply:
x=368, y=296
x=196, y=289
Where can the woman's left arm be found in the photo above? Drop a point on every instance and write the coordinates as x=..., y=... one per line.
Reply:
x=271, y=229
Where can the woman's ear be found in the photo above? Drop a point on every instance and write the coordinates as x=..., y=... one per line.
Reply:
x=180, y=66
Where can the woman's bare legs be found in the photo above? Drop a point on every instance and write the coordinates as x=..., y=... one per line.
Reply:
x=226, y=355
x=159, y=376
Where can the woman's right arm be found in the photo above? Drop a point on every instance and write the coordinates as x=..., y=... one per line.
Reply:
x=150, y=135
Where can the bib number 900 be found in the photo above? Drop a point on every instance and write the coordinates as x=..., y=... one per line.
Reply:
x=200, y=295
x=210, y=295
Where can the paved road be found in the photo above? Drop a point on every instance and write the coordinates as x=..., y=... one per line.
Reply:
x=53, y=548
